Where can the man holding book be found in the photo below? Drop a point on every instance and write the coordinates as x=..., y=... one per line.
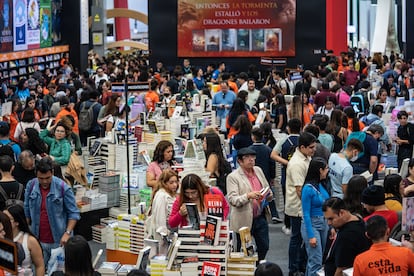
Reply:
x=248, y=194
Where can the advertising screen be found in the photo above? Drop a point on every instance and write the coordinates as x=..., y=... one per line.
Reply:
x=236, y=28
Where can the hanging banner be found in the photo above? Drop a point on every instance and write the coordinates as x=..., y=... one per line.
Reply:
x=45, y=24
x=6, y=26
x=33, y=24
x=244, y=28
x=20, y=25
x=56, y=21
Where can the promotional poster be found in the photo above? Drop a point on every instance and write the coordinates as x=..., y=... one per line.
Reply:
x=20, y=25
x=6, y=26
x=33, y=24
x=45, y=24
x=245, y=28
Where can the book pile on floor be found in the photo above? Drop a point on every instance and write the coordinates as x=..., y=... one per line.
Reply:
x=99, y=233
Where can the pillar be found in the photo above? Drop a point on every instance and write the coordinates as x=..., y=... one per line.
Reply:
x=336, y=26
x=122, y=29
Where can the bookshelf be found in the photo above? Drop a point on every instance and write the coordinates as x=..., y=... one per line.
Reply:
x=15, y=65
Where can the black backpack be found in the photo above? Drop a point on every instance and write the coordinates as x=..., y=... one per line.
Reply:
x=289, y=153
x=222, y=179
x=86, y=116
x=14, y=198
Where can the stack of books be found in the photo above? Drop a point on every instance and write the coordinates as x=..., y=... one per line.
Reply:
x=157, y=265
x=238, y=264
x=136, y=230
x=109, y=185
x=189, y=266
x=123, y=232
x=99, y=233
x=107, y=152
x=111, y=237
x=109, y=268
x=95, y=169
x=121, y=157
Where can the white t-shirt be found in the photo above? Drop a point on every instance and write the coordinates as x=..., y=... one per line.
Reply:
x=340, y=171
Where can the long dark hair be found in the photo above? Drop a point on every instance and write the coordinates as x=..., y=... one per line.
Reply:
x=35, y=144
x=5, y=220
x=314, y=172
x=214, y=147
x=78, y=257
x=238, y=108
x=193, y=182
x=352, y=196
x=17, y=212
x=392, y=185
x=243, y=125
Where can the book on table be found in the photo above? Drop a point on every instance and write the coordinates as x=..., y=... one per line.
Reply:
x=143, y=258
x=246, y=241
x=210, y=269
x=193, y=216
x=212, y=230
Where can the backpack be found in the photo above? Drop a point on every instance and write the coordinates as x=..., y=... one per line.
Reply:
x=86, y=117
x=287, y=86
x=14, y=198
x=361, y=136
x=358, y=103
x=222, y=179
x=290, y=151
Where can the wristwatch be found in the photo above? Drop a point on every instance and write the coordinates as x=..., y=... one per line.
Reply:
x=68, y=232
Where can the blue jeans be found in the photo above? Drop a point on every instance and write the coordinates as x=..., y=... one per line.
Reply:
x=315, y=254
x=47, y=250
x=297, y=254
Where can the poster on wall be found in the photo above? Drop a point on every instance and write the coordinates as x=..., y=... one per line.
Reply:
x=244, y=28
x=33, y=24
x=20, y=25
x=6, y=26
x=56, y=21
x=45, y=24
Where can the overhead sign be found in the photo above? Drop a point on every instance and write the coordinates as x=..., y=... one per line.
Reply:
x=119, y=87
x=273, y=61
x=8, y=256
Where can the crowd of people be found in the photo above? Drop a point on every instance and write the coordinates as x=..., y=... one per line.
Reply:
x=334, y=130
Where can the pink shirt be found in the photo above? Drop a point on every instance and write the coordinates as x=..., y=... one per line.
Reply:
x=156, y=170
x=256, y=186
x=176, y=219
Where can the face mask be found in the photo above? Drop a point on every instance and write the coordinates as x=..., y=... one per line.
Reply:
x=354, y=158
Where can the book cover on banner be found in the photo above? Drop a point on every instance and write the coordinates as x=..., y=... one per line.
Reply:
x=193, y=216
x=210, y=269
x=246, y=241
x=212, y=230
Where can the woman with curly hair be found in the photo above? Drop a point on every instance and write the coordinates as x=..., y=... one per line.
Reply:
x=194, y=190
x=163, y=159
x=30, y=140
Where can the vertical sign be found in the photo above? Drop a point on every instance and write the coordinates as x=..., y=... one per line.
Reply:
x=84, y=22
x=33, y=24
x=20, y=24
x=6, y=26
x=45, y=24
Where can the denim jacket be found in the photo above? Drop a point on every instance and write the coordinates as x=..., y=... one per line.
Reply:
x=60, y=205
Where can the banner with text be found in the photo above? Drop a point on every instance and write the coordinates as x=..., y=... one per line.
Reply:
x=20, y=25
x=6, y=26
x=236, y=28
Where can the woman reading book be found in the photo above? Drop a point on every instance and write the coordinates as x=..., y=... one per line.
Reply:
x=209, y=200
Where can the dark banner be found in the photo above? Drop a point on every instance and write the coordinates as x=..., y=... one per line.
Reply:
x=6, y=26
x=223, y=28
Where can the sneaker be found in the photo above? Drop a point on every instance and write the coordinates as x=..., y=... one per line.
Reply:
x=276, y=220
x=286, y=230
